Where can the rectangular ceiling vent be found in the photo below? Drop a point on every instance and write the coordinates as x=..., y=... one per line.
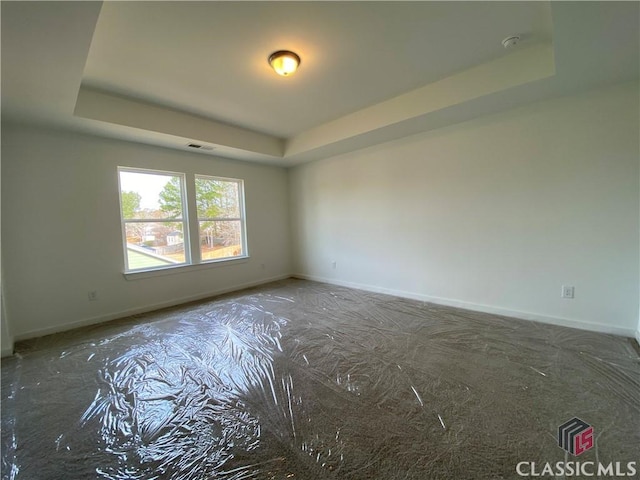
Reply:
x=200, y=147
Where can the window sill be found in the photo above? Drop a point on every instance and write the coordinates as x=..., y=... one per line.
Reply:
x=159, y=272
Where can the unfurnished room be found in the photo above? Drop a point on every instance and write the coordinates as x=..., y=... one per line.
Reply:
x=320, y=240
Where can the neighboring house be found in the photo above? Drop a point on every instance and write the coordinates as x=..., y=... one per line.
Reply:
x=175, y=238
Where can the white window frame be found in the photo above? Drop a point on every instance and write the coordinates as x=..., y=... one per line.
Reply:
x=190, y=225
x=241, y=218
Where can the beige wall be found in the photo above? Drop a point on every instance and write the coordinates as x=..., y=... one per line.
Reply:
x=61, y=233
x=494, y=214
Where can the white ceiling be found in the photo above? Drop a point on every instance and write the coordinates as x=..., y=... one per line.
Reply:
x=211, y=58
x=167, y=73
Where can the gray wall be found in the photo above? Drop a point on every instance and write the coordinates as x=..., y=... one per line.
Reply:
x=494, y=214
x=61, y=234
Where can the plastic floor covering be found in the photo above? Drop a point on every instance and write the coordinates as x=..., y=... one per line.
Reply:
x=301, y=380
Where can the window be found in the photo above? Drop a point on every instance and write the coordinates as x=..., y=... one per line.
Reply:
x=156, y=223
x=153, y=219
x=220, y=222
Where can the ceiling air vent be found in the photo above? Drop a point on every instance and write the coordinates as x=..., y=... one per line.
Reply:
x=199, y=147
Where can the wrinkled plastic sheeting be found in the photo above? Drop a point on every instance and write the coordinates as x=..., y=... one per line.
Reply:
x=304, y=380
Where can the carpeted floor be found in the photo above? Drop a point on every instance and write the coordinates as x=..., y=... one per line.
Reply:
x=303, y=380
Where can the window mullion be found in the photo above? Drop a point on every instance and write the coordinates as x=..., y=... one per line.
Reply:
x=243, y=217
x=191, y=216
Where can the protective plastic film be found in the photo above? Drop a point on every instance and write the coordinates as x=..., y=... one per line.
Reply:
x=304, y=380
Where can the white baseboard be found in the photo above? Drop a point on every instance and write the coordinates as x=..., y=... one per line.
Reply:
x=564, y=322
x=595, y=327
x=134, y=311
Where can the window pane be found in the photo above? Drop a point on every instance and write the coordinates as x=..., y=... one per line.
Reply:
x=150, y=195
x=154, y=244
x=217, y=198
x=220, y=239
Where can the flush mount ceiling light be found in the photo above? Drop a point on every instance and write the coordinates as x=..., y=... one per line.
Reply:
x=284, y=62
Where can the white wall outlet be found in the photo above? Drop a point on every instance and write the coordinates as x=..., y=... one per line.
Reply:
x=568, y=291
x=263, y=266
x=334, y=264
x=93, y=295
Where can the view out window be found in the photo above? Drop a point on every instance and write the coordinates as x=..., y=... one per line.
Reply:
x=220, y=217
x=155, y=220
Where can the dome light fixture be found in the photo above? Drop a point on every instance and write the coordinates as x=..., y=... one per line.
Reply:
x=284, y=62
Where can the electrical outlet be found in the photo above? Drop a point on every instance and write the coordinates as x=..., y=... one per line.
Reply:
x=568, y=291
x=93, y=295
x=263, y=266
x=334, y=264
